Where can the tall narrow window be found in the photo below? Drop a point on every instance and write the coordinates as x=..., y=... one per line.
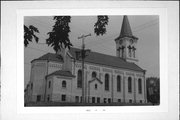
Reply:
x=118, y=83
x=63, y=98
x=38, y=98
x=79, y=79
x=122, y=51
x=106, y=82
x=93, y=99
x=134, y=49
x=98, y=99
x=95, y=86
x=81, y=99
x=105, y=100
x=134, y=53
x=109, y=100
x=129, y=84
x=48, y=98
x=129, y=52
x=49, y=84
x=31, y=86
x=93, y=75
x=129, y=49
x=64, y=84
x=77, y=99
x=140, y=86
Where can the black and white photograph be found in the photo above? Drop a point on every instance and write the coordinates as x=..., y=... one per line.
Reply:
x=88, y=60
x=101, y=60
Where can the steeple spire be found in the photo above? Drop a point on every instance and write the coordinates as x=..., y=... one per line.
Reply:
x=126, y=42
x=126, y=28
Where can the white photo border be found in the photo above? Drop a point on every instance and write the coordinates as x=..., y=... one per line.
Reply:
x=12, y=89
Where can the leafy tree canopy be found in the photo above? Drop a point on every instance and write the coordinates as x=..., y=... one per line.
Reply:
x=29, y=34
x=60, y=33
x=59, y=36
x=153, y=90
x=100, y=25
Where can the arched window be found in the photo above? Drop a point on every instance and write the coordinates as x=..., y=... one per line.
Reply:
x=106, y=82
x=129, y=49
x=48, y=98
x=95, y=86
x=118, y=83
x=64, y=84
x=122, y=51
x=93, y=74
x=31, y=86
x=140, y=86
x=49, y=84
x=134, y=53
x=79, y=79
x=129, y=84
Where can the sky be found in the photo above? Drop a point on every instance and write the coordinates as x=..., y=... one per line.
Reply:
x=145, y=27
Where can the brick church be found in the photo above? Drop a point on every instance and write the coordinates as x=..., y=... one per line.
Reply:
x=58, y=77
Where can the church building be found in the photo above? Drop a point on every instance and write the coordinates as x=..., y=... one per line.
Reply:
x=57, y=77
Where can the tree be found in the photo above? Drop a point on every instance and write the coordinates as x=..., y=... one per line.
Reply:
x=153, y=90
x=59, y=36
x=29, y=34
x=100, y=25
x=60, y=33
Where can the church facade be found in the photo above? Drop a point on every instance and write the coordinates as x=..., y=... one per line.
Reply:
x=58, y=77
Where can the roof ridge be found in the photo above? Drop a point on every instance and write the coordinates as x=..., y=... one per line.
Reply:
x=103, y=54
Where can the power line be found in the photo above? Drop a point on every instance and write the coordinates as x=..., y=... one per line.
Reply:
x=145, y=27
x=146, y=23
x=107, y=39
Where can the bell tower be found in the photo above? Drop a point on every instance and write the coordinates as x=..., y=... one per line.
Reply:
x=126, y=43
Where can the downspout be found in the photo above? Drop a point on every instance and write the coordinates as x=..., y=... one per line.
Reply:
x=74, y=72
x=88, y=92
x=46, y=81
x=134, y=89
x=145, y=97
x=124, y=92
x=86, y=82
x=112, y=92
x=29, y=91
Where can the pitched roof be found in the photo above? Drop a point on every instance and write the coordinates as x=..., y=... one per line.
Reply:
x=62, y=73
x=107, y=60
x=50, y=57
x=96, y=58
x=126, y=29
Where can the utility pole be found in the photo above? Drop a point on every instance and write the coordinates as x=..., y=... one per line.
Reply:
x=83, y=55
